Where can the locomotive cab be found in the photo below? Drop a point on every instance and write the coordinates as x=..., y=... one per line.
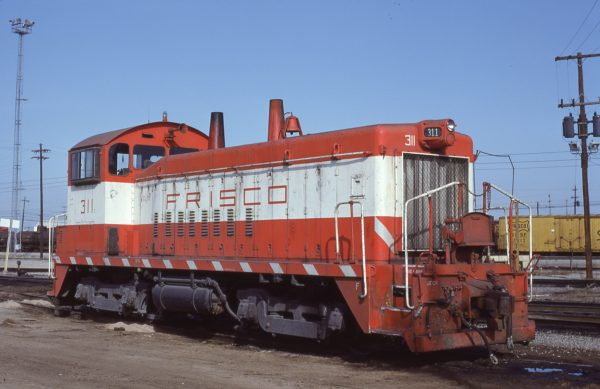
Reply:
x=102, y=173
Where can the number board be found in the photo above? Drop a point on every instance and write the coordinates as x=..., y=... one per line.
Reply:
x=432, y=132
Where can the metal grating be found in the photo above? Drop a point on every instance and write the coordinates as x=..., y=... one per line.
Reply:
x=421, y=174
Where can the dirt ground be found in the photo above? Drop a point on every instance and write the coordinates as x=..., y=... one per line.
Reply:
x=39, y=350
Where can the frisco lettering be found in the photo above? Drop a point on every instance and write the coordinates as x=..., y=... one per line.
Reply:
x=276, y=194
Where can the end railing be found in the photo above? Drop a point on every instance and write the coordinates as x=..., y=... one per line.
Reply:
x=53, y=222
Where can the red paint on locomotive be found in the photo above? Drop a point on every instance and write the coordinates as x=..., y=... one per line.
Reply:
x=254, y=226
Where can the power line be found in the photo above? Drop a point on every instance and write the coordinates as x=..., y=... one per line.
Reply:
x=530, y=167
x=540, y=152
x=512, y=189
x=579, y=28
x=532, y=161
x=588, y=36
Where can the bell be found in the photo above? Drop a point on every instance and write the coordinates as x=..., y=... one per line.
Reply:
x=292, y=125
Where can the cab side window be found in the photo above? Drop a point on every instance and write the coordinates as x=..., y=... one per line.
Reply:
x=144, y=156
x=118, y=159
x=85, y=166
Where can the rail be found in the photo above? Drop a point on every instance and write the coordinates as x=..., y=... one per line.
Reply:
x=567, y=282
x=513, y=199
x=405, y=235
x=362, y=234
x=52, y=224
x=567, y=314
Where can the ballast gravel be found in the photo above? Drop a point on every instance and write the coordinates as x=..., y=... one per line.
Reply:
x=567, y=341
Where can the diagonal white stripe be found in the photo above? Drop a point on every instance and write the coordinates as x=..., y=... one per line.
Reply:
x=125, y=261
x=385, y=235
x=73, y=261
x=276, y=268
x=246, y=267
x=146, y=262
x=168, y=263
x=106, y=261
x=191, y=265
x=217, y=265
x=310, y=269
x=347, y=270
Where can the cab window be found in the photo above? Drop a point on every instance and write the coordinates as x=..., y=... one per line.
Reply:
x=118, y=159
x=144, y=156
x=85, y=165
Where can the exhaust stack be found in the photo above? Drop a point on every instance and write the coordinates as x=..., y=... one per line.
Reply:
x=275, y=119
x=216, y=135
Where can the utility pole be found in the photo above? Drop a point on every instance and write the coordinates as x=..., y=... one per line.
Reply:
x=21, y=28
x=549, y=205
x=582, y=133
x=22, y=221
x=40, y=154
x=575, y=201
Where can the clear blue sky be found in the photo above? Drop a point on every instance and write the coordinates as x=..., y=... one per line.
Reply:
x=94, y=66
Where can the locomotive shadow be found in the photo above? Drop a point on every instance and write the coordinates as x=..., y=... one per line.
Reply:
x=379, y=352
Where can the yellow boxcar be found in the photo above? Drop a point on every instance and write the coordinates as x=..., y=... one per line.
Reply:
x=551, y=234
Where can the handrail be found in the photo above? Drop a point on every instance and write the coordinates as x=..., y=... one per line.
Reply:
x=405, y=235
x=52, y=224
x=253, y=165
x=362, y=233
x=514, y=199
x=506, y=229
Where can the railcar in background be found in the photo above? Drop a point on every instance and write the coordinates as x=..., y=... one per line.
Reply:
x=370, y=228
x=29, y=241
x=553, y=235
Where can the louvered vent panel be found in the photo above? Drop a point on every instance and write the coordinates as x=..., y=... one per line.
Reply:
x=192, y=221
x=204, y=226
x=216, y=222
x=230, y=222
x=249, y=221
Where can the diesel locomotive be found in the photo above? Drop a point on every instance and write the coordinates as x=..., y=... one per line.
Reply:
x=370, y=228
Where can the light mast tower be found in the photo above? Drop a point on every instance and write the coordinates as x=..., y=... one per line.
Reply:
x=21, y=28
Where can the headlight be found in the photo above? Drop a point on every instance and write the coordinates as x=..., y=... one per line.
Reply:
x=451, y=125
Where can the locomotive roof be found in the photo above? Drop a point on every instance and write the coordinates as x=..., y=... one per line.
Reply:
x=107, y=137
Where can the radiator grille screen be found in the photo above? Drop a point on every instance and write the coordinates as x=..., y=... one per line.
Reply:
x=423, y=173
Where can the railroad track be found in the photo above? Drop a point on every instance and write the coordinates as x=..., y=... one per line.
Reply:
x=566, y=315
x=14, y=279
x=565, y=282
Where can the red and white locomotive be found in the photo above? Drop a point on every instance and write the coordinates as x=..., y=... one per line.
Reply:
x=302, y=235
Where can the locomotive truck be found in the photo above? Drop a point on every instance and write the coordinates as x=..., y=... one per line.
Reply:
x=369, y=228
